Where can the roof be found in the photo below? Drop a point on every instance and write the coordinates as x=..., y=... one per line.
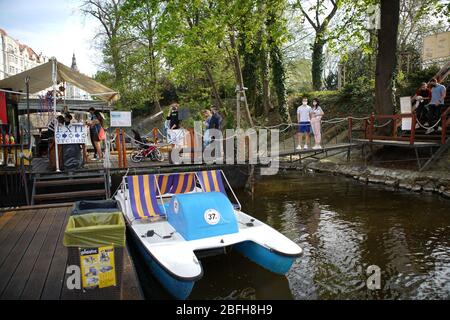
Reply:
x=41, y=79
x=36, y=105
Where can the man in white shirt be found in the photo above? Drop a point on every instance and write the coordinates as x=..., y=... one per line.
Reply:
x=304, y=113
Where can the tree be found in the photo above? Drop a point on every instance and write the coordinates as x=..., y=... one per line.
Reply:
x=108, y=13
x=386, y=56
x=320, y=39
x=142, y=22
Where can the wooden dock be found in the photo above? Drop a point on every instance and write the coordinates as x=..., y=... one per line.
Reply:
x=33, y=259
x=317, y=154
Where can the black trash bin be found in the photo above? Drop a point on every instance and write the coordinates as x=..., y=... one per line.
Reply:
x=95, y=206
x=95, y=243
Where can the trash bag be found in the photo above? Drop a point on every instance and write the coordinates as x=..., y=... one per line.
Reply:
x=72, y=157
x=95, y=230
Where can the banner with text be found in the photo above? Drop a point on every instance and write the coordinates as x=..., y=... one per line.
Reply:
x=71, y=134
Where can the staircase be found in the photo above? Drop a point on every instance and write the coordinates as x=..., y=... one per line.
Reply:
x=442, y=149
x=68, y=187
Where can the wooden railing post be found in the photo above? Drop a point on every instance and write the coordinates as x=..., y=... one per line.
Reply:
x=394, y=126
x=350, y=127
x=124, y=150
x=118, y=149
x=413, y=129
x=371, y=126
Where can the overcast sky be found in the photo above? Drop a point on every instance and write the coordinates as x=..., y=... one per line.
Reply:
x=55, y=28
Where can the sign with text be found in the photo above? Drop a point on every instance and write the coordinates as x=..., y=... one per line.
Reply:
x=405, y=107
x=120, y=118
x=71, y=134
x=98, y=267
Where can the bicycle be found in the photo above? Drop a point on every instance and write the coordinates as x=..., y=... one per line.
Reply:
x=145, y=150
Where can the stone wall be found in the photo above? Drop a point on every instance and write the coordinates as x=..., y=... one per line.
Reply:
x=435, y=181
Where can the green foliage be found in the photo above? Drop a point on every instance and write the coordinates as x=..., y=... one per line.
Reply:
x=408, y=84
x=157, y=52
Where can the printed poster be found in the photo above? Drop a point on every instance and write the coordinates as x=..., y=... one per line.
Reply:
x=97, y=267
x=120, y=118
x=71, y=134
x=405, y=107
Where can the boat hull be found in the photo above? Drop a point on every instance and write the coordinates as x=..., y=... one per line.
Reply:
x=269, y=259
x=178, y=288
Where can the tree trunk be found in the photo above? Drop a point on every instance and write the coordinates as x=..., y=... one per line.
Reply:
x=216, y=94
x=239, y=79
x=265, y=82
x=386, y=57
x=115, y=57
x=279, y=77
x=317, y=62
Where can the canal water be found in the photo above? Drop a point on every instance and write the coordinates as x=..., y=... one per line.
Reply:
x=343, y=227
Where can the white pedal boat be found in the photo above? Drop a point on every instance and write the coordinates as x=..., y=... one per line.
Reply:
x=177, y=218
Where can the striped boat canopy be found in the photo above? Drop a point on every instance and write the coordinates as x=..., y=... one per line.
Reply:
x=182, y=183
x=143, y=196
x=211, y=181
x=165, y=183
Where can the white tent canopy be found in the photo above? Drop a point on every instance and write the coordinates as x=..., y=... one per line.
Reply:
x=41, y=79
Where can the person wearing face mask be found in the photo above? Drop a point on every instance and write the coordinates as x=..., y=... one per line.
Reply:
x=304, y=114
x=316, y=117
x=436, y=105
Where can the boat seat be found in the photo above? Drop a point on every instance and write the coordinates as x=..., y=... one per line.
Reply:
x=143, y=200
x=164, y=183
x=211, y=181
x=182, y=183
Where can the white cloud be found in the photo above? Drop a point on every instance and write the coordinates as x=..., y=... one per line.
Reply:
x=60, y=33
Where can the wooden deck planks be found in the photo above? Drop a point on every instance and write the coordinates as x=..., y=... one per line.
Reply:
x=55, y=278
x=4, y=218
x=23, y=271
x=34, y=262
x=13, y=258
x=38, y=276
x=131, y=289
x=11, y=233
x=395, y=143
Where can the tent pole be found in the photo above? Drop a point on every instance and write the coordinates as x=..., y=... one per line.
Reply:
x=55, y=79
x=27, y=81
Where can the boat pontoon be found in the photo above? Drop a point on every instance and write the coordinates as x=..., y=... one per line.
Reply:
x=175, y=219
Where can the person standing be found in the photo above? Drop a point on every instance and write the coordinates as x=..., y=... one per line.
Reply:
x=207, y=119
x=96, y=132
x=174, y=121
x=215, y=122
x=304, y=113
x=316, y=119
x=436, y=105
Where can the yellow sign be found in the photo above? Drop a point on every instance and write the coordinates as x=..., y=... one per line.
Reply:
x=436, y=46
x=97, y=267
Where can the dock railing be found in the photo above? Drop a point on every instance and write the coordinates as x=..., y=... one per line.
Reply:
x=370, y=126
x=394, y=119
x=445, y=122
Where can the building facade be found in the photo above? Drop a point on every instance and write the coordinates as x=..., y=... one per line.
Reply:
x=16, y=57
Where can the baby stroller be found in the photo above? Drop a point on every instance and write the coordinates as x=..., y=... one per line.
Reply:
x=146, y=149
